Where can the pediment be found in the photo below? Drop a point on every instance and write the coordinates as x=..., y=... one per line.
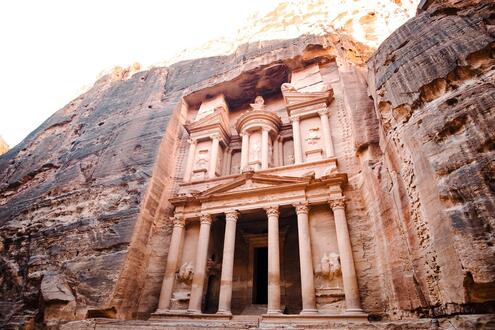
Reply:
x=215, y=119
x=250, y=182
x=295, y=98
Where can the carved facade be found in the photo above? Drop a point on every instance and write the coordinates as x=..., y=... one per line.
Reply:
x=260, y=181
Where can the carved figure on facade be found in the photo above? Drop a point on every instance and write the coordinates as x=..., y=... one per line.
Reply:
x=259, y=103
x=212, y=267
x=203, y=159
x=185, y=273
x=330, y=266
x=257, y=151
x=290, y=159
x=313, y=136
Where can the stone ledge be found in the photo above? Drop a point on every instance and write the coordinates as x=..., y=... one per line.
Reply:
x=176, y=315
x=304, y=318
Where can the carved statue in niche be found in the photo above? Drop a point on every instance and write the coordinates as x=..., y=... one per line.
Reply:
x=182, y=294
x=212, y=267
x=270, y=153
x=259, y=103
x=290, y=159
x=313, y=136
x=328, y=270
x=218, y=167
x=203, y=159
x=185, y=273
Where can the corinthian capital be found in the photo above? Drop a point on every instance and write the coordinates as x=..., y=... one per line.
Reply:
x=192, y=141
x=272, y=211
x=323, y=112
x=302, y=208
x=337, y=203
x=295, y=118
x=205, y=219
x=231, y=215
x=178, y=221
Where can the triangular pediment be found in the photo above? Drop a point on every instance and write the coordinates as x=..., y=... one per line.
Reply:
x=249, y=182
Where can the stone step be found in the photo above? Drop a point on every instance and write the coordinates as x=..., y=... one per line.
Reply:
x=254, y=310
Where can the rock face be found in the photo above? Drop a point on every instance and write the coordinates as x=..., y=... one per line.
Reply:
x=432, y=165
x=84, y=198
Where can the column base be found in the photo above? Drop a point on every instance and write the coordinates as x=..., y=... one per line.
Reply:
x=354, y=311
x=193, y=311
x=224, y=312
x=274, y=312
x=312, y=311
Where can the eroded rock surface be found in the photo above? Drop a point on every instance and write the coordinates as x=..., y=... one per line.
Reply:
x=432, y=82
x=84, y=198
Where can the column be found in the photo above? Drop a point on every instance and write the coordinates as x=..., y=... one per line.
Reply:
x=244, y=150
x=349, y=278
x=200, y=265
x=172, y=261
x=264, y=149
x=276, y=155
x=227, y=263
x=280, y=151
x=306, y=260
x=190, y=159
x=296, y=131
x=228, y=161
x=273, y=261
x=215, y=142
x=327, y=138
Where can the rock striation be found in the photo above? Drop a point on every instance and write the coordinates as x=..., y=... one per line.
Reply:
x=431, y=165
x=84, y=199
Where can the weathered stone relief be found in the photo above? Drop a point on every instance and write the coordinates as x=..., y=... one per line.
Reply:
x=185, y=273
x=203, y=159
x=313, y=136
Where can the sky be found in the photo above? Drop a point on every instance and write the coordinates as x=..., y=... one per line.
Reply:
x=51, y=51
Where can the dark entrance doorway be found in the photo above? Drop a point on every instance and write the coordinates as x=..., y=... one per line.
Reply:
x=260, y=276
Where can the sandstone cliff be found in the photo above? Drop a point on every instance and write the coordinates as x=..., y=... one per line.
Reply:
x=83, y=199
x=432, y=166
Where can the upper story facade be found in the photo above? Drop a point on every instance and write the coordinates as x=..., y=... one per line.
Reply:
x=284, y=131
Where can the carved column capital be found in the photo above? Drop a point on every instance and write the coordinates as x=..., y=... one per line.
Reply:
x=272, y=211
x=295, y=118
x=215, y=136
x=178, y=221
x=302, y=208
x=192, y=141
x=323, y=112
x=337, y=203
x=231, y=215
x=205, y=219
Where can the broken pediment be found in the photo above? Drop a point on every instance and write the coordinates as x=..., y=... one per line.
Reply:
x=294, y=97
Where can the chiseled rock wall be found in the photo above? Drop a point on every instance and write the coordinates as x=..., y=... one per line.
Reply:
x=84, y=198
x=429, y=182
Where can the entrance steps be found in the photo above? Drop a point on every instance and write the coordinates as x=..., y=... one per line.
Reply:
x=254, y=310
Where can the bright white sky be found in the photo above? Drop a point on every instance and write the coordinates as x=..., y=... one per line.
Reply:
x=52, y=50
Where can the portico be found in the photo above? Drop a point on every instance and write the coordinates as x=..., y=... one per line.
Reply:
x=265, y=195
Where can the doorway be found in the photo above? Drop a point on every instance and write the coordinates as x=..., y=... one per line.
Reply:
x=260, y=276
